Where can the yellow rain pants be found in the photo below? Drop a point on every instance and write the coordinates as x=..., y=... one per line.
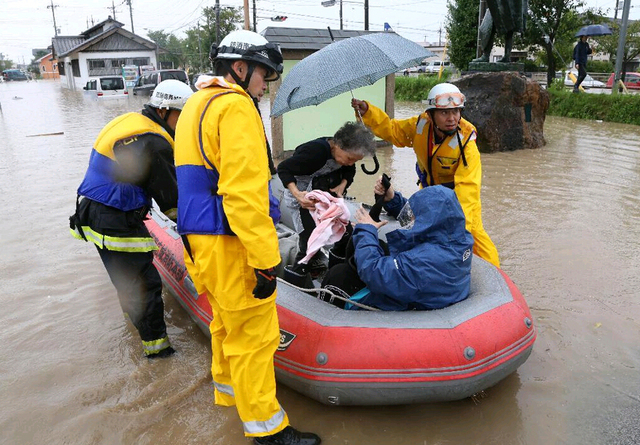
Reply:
x=244, y=333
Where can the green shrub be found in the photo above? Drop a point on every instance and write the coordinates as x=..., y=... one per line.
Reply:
x=599, y=66
x=417, y=88
x=609, y=108
x=531, y=66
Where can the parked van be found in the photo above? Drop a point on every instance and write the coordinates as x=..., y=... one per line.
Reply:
x=106, y=87
x=147, y=83
x=433, y=66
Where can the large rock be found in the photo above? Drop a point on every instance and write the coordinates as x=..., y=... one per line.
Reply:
x=507, y=109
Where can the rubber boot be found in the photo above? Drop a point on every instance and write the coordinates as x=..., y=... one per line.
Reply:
x=298, y=276
x=288, y=436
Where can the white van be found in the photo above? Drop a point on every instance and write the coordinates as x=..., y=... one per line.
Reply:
x=434, y=66
x=106, y=87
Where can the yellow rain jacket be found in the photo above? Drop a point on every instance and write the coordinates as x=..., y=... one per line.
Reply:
x=220, y=137
x=445, y=165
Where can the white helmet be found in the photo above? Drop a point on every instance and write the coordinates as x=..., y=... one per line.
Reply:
x=252, y=47
x=170, y=94
x=445, y=95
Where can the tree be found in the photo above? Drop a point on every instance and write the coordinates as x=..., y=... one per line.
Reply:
x=609, y=44
x=199, y=38
x=170, y=43
x=6, y=64
x=462, y=29
x=552, y=25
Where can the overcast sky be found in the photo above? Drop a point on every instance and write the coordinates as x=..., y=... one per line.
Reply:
x=28, y=24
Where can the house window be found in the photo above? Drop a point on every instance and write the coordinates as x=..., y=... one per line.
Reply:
x=141, y=61
x=61, y=69
x=75, y=68
x=55, y=67
x=43, y=69
x=118, y=63
x=95, y=63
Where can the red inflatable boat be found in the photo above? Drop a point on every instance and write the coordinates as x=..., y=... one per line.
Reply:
x=343, y=357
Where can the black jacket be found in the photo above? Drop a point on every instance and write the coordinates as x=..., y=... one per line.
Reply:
x=310, y=157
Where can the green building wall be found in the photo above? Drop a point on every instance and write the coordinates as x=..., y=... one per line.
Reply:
x=304, y=124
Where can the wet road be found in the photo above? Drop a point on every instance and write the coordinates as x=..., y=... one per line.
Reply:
x=565, y=219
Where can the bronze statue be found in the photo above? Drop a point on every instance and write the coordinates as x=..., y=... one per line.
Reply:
x=505, y=17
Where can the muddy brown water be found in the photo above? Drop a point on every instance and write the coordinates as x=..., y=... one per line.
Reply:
x=565, y=218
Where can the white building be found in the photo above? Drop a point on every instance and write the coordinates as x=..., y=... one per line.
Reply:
x=101, y=50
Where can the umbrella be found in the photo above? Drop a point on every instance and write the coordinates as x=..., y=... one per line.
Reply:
x=344, y=65
x=594, y=30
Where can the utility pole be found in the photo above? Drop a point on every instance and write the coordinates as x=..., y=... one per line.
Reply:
x=366, y=15
x=615, y=13
x=53, y=7
x=131, y=15
x=199, y=48
x=113, y=9
x=217, y=22
x=440, y=35
x=246, y=15
x=255, y=29
x=621, y=43
x=341, y=15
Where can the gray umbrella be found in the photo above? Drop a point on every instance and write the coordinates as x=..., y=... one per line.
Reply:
x=594, y=30
x=345, y=65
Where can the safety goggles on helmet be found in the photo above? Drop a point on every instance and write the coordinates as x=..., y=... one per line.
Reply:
x=447, y=100
x=406, y=218
x=267, y=55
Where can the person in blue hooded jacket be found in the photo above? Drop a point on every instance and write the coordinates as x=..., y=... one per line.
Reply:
x=429, y=261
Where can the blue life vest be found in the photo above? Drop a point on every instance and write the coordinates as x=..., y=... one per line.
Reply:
x=99, y=183
x=200, y=209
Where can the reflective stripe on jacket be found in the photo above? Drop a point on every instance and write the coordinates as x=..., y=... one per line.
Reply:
x=445, y=164
x=223, y=173
x=100, y=183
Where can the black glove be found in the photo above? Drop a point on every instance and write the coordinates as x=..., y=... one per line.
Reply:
x=266, y=285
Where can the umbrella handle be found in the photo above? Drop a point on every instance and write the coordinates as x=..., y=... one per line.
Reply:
x=375, y=168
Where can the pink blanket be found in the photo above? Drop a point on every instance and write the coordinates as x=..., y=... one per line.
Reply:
x=331, y=216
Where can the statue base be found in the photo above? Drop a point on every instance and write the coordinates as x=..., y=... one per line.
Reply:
x=507, y=109
x=495, y=67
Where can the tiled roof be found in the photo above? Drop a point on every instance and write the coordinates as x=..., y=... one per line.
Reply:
x=307, y=38
x=64, y=44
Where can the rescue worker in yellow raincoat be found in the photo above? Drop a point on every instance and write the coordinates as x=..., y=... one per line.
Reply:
x=132, y=162
x=446, y=152
x=226, y=217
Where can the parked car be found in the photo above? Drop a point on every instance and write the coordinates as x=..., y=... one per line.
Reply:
x=146, y=83
x=588, y=82
x=106, y=87
x=14, y=75
x=631, y=81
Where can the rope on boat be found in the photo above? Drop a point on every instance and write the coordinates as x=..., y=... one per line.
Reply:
x=321, y=291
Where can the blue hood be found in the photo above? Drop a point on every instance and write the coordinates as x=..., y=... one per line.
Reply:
x=439, y=220
x=429, y=265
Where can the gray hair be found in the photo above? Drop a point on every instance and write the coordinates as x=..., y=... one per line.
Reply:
x=354, y=137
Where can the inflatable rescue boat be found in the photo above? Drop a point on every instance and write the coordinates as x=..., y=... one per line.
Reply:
x=346, y=357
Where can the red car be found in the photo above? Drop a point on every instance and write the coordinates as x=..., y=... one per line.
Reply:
x=631, y=81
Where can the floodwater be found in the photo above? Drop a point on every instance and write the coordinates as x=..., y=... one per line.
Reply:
x=565, y=218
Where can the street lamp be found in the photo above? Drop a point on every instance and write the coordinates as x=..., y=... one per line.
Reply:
x=328, y=3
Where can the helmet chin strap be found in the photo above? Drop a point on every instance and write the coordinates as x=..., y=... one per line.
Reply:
x=243, y=83
x=445, y=132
